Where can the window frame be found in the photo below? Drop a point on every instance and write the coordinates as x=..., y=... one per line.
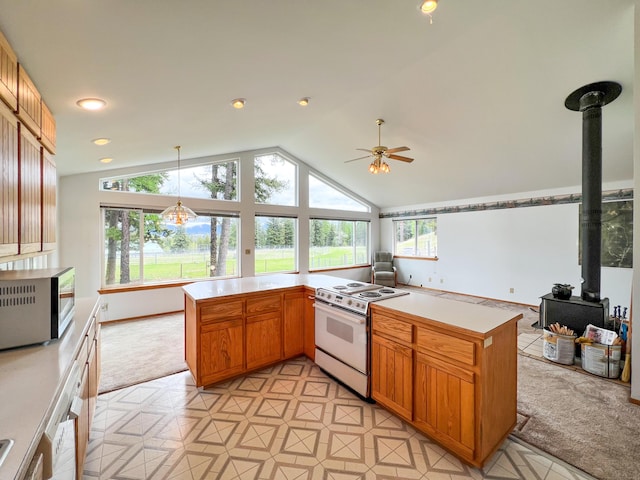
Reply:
x=416, y=236
x=354, y=245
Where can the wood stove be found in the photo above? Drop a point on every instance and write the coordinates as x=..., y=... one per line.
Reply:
x=578, y=312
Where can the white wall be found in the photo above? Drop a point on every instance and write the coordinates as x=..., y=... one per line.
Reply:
x=80, y=236
x=486, y=253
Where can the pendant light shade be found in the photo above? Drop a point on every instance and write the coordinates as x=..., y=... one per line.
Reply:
x=178, y=214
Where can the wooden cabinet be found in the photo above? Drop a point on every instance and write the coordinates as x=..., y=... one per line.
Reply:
x=29, y=110
x=8, y=74
x=463, y=383
x=89, y=360
x=27, y=176
x=392, y=365
x=232, y=335
x=9, y=200
x=310, y=323
x=222, y=350
x=48, y=129
x=392, y=376
x=48, y=193
x=30, y=192
x=293, y=321
x=445, y=403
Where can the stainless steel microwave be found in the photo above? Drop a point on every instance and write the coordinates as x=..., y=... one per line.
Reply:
x=36, y=306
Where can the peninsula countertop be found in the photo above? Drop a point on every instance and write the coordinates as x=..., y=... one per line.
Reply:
x=209, y=289
x=30, y=382
x=467, y=316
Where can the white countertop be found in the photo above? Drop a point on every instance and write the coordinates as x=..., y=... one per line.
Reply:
x=469, y=316
x=30, y=382
x=234, y=286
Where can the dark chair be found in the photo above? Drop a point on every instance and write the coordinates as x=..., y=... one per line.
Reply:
x=382, y=271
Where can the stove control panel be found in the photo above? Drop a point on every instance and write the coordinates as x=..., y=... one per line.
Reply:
x=345, y=301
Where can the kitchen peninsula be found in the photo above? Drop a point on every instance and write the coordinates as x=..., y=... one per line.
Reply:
x=449, y=368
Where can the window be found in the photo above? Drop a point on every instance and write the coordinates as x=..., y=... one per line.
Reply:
x=140, y=248
x=338, y=243
x=216, y=180
x=275, y=179
x=323, y=195
x=416, y=238
x=276, y=239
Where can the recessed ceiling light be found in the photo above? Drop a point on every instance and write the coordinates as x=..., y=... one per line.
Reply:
x=106, y=160
x=304, y=101
x=91, y=103
x=238, y=103
x=428, y=6
x=101, y=141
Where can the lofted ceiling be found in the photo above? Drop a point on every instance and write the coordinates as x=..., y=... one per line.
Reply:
x=478, y=95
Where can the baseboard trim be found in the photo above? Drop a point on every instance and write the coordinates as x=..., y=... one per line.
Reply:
x=141, y=317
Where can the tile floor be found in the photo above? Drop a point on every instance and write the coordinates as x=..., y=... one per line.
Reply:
x=288, y=422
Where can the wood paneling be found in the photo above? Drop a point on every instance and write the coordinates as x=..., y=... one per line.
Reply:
x=9, y=180
x=30, y=192
x=8, y=74
x=29, y=102
x=48, y=185
x=47, y=129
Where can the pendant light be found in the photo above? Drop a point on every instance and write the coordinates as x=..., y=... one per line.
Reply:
x=178, y=213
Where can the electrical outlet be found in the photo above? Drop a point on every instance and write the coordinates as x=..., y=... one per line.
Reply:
x=442, y=280
x=410, y=276
x=105, y=307
x=429, y=279
x=512, y=290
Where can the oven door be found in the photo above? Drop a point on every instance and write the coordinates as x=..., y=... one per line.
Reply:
x=342, y=334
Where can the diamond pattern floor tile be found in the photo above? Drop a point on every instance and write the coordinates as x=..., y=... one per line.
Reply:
x=286, y=422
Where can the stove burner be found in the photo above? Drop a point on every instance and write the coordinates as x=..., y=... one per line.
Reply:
x=370, y=294
x=340, y=287
x=355, y=284
x=386, y=290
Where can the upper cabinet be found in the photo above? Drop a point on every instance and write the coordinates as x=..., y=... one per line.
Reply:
x=27, y=170
x=47, y=129
x=29, y=102
x=8, y=74
x=8, y=182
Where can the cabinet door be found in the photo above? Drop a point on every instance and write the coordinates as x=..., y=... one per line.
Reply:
x=29, y=102
x=310, y=324
x=293, y=324
x=8, y=74
x=82, y=423
x=222, y=350
x=264, y=339
x=9, y=204
x=48, y=202
x=30, y=193
x=444, y=403
x=392, y=375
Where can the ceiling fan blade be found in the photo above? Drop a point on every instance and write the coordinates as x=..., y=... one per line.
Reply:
x=365, y=150
x=401, y=158
x=359, y=158
x=398, y=149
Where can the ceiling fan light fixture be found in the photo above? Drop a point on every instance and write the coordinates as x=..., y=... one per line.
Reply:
x=238, y=103
x=428, y=6
x=373, y=168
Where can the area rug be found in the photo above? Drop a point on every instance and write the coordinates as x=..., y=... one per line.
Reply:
x=140, y=350
x=580, y=418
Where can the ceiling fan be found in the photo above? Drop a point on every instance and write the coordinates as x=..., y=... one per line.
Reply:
x=378, y=152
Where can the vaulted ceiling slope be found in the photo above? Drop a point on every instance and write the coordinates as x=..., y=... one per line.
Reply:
x=478, y=95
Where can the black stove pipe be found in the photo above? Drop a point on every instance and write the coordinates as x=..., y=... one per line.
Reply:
x=589, y=100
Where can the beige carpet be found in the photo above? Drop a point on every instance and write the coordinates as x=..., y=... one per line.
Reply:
x=140, y=350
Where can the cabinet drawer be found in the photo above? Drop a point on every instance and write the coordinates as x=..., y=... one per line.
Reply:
x=212, y=311
x=393, y=328
x=263, y=304
x=446, y=346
